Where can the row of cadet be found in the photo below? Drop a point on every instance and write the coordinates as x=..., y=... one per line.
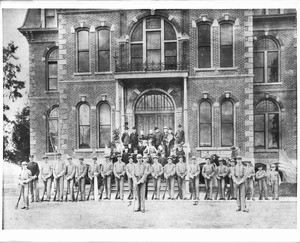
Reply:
x=76, y=176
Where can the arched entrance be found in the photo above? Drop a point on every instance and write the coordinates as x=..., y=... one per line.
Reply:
x=154, y=108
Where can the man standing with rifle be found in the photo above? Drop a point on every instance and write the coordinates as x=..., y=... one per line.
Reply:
x=59, y=171
x=94, y=171
x=34, y=183
x=221, y=173
x=208, y=171
x=119, y=172
x=139, y=175
x=169, y=172
x=81, y=170
x=106, y=172
x=147, y=165
x=129, y=173
x=156, y=172
x=232, y=193
x=181, y=171
x=47, y=176
x=194, y=178
x=70, y=175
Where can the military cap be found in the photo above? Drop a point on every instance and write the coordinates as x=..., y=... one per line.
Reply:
x=221, y=159
x=239, y=157
x=126, y=128
x=130, y=157
x=145, y=157
x=170, y=128
x=139, y=156
x=119, y=155
x=81, y=158
x=232, y=147
x=273, y=165
x=95, y=157
x=24, y=163
x=69, y=157
x=194, y=157
x=154, y=156
x=207, y=158
x=156, y=128
x=45, y=157
x=58, y=153
x=170, y=157
x=107, y=156
x=180, y=156
x=232, y=160
x=165, y=127
x=134, y=128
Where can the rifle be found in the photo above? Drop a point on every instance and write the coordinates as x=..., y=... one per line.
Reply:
x=19, y=198
x=45, y=188
x=54, y=198
x=95, y=188
x=163, y=197
x=101, y=192
x=88, y=197
x=76, y=198
x=66, y=198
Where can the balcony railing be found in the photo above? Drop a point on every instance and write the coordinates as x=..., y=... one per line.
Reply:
x=142, y=67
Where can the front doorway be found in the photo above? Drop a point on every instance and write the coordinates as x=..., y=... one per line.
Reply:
x=154, y=108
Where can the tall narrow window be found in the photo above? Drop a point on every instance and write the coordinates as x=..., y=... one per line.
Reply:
x=104, y=125
x=266, y=61
x=204, y=51
x=104, y=50
x=52, y=59
x=84, y=126
x=226, y=47
x=227, y=123
x=266, y=125
x=205, y=124
x=52, y=130
x=50, y=18
x=83, y=60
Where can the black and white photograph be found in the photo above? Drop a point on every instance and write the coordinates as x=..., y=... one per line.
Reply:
x=149, y=117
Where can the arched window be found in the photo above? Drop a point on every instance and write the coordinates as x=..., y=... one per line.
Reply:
x=103, y=50
x=52, y=78
x=84, y=138
x=52, y=130
x=83, y=59
x=104, y=119
x=226, y=44
x=205, y=124
x=204, y=45
x=227, y=123
x=266, y=54
x=266, y=125
x=153, y=45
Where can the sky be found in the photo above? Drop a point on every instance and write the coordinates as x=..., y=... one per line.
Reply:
x=12, y=19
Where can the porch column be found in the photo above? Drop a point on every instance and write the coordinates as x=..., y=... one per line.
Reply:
x=122, y=109
x=117, y=105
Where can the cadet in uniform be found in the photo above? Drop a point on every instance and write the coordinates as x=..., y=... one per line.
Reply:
x=222, y=171
x=274, y=181
x=194, y=178
x=94, y=170
x=47, y=174
x=169, y=172
x=34, y=183
x=239, y=177
x=232, y=194
x=24, y=178
x=261, y=177
x=119, y=172
x=129, y=172
x=250, y=180
x=140, y=172
x=181, y=171
x=208, y=171
x=156, y=172
x=70, y=177
x=147, y=165
x=59, y=171
x=106, y=172
x=81, y=170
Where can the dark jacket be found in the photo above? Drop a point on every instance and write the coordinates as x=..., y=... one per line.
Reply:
x=134, y=140
x=34, y=169
x=179, y=137
x=158, y=138
x=125, y=138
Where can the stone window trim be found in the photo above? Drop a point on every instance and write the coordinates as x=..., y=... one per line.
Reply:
x=97, y=48
x=210, y=23
x=77, y=30
x=79, y=126
x=210, y=101
x=104, y=101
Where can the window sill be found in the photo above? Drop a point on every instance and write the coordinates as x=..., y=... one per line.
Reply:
x=227, y=69
x=262, y=84
x=204, y=69
x=50, y=154
x=82, y=74
x=51, y=91
x=100, y=150
x=266, y=150
x=213, y=148
x=103, y=73
x=83, y=150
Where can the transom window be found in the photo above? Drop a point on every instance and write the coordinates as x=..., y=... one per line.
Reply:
x=266, y=125
x=204, y=45
x=154, y=101
x=52, y=130
x=83, y=59
x=153, y=45
x=266, y=61
x=52, y=59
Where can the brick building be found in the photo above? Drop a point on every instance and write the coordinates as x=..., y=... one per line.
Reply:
x=227, y=75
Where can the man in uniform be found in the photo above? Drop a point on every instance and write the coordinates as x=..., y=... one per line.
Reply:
x=129, y=173
x=239, y=177
x=34, y=183
x=194, y=178
x=156, y=172
x=47, y=174
x=81, y=170
x=221, y=174
x=94, y=170
x=208, y=171
x=232, y=194
x=106, y=173
x=147, y=177
x=250, y=180
x=119, y=172
x=181, y=171
x=24, y=179
x=179, y=136
x=261, y=177
x=59, y=171
x=70, y=177
x=169, y=172
x=274, y=181
x=140, y=172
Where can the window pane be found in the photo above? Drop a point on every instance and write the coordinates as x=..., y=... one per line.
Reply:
x=258, y=75
x=205, y=112
x=137, y=50
x=204, y=35
x=49, y=12
x=274, y=11
x=153, y=23
x=273, y=131
x=226, y=34
x=104, y=136
x=137, y=64
x=259, y=139
x=258, y=59
x=272, y=58
x=153, y=56
x=50, y=22
x=83, y=62
x=54, y=113
x=52, y=83
x=53, y=55
x=137, y=34
x=103, y=40
x=169, y=32
x=153, y=40
x=170, y=63
x=104, y=114
x=170, y=49
x=204, y=57
x=52, y=69
x=271, y=106
x=84, y=115
x=103, y=61
x=273, y=75
x=227, y=134
x=259, y=123
x=227, y=112
x=84, y=137
x=205, y=135
x=83, y=40
x=226, y=56
x=262, y=106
